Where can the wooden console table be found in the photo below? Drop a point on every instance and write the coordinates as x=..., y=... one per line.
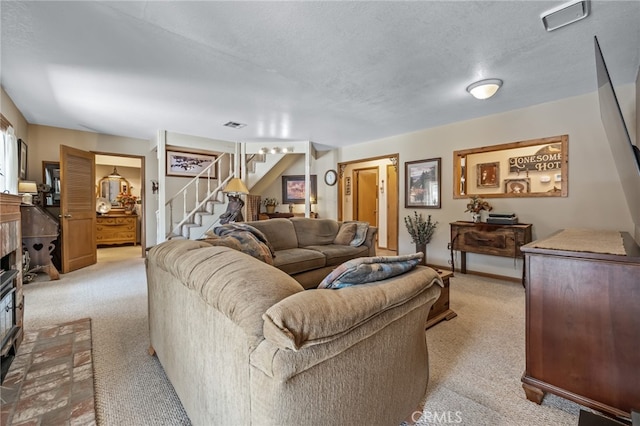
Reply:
x=486, y=238
x=440, y=310
x=583, y=324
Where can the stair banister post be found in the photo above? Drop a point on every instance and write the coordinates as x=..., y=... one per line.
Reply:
x=170, y=213
x=184, y=204
x=197, y=192
x=209, y=180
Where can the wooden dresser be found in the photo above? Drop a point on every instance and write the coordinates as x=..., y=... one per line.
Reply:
x=117, y=229
x=583, y=324
x=485, y=238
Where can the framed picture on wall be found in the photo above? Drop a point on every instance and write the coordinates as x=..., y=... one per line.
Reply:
x=189, y=164
x=488, y=175
x=517, y=186
x=422, y=186
x=293, y=189
x=22, y=159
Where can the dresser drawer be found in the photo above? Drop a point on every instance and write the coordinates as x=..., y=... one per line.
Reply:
x=116, y=229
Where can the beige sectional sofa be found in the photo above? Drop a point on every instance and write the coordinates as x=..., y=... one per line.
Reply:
x=243, y=343
x=305, y=248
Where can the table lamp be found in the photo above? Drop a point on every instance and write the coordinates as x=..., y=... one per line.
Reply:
x=27, y=189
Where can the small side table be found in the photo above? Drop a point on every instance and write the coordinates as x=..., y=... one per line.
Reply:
x=440, y=310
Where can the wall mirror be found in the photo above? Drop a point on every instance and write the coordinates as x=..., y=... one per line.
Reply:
x=533, y=168
x=110, y=186
x=51, y=177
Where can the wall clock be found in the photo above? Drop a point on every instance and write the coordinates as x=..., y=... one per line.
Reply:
x=330, y=177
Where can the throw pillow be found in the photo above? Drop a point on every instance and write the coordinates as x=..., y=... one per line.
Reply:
x=345, y=234
x=367, y=269
x=361, y=233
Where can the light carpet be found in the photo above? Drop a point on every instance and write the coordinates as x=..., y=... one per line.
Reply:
x=476, y=359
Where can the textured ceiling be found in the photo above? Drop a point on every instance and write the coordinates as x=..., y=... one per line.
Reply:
x=335, y=73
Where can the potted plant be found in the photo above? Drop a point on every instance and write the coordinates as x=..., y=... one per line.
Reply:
x=476, y=205
x=127, y=201
x=270, y=204
x=420, y=232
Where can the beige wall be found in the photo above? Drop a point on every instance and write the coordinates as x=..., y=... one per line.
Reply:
x=595, y=198
x=44, y=145
x=13, y=114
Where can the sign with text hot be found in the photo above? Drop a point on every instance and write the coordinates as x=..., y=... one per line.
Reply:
x=547, y=158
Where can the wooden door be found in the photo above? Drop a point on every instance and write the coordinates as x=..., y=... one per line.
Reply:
x=77, y=208
x=366, y=195
x=392, y=207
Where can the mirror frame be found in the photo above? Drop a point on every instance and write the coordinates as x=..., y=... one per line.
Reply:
x=461, y=168
x=123, y=187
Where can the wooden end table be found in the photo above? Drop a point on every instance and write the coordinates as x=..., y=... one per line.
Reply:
x=440, y=310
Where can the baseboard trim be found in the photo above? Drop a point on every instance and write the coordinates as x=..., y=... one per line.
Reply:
x=479, y=273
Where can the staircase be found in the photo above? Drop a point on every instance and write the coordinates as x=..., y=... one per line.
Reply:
x=197, y=216
x=190, y=211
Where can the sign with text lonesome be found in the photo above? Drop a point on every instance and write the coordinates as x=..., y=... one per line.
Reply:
x=548, y=158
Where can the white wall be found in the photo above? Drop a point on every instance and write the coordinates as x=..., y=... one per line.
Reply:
x=595, y=198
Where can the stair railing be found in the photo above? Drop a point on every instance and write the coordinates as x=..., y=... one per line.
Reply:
x=195, y=183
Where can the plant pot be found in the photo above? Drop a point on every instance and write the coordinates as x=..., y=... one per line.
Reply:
x=422, y=248
x=270, y=209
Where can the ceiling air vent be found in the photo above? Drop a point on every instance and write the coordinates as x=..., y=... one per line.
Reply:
x=235, y=125
x=565, y=14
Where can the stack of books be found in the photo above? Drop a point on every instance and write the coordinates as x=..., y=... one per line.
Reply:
x=502, y=218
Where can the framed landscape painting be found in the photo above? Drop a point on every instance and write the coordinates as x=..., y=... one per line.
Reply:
x=293, y=189
x=189, y=164
x=422, y=188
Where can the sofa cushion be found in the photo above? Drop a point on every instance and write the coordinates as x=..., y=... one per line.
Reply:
x=337, y=254
x=361, y=233
x=345, y=234
x=293, y=261
x=367, y=269
x=314, y=317
x=279, y=232
x=315, y=231
x=240, y=287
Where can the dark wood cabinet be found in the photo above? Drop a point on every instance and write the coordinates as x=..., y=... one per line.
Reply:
x=583, y=326
x=440, y=310
x=485, y=238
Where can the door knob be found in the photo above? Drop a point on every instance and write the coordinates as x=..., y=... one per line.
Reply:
x=66, y=216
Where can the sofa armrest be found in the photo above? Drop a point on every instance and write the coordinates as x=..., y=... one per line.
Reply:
x=370, y=240
x=308, y=327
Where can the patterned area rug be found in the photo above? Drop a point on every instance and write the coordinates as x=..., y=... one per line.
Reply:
x=50, y=380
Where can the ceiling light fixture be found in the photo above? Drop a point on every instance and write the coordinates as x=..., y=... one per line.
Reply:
x=565, y=14
x=275, y=150
x=114, y=174
x=484, y=89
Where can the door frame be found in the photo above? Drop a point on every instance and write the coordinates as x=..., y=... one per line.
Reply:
x=395, y=161
x=143, y=216
x=356, y=192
